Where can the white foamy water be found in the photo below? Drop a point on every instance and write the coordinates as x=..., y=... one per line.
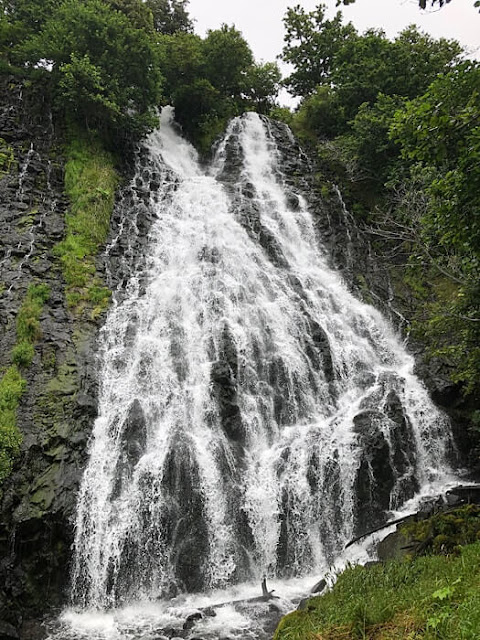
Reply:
x=242, y=387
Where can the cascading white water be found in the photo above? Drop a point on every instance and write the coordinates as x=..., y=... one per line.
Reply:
x=253, y=414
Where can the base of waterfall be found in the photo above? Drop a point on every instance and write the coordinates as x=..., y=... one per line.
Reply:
x=235, y=612
x=229, y=614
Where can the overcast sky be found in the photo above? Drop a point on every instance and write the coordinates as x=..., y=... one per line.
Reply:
x=260, y=21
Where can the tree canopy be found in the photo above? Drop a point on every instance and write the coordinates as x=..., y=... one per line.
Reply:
x=112, y=63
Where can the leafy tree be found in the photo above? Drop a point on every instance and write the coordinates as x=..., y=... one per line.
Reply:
x=374, y=150
x=170, y=16
x=263, y=84
x=105, y=69
x=228, y=59
x=439, y=134
x=182, y=60
x=138, y=13
x=312, y=42
x=369, y=64
x=442, y=129
x=20, y=19
x=321, y=115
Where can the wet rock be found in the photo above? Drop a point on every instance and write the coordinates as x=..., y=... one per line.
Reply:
x=319, y=586
x=134, y=435
x=225, y=392
x=192, y=620
x=375, y=477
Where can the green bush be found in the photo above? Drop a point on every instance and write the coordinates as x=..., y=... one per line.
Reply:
x=22, y=354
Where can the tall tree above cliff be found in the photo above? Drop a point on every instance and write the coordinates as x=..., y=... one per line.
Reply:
x=170, y=16
x=311, y=43
x=103, y=62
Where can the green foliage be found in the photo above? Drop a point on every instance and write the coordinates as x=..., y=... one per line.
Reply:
x=23, y=354
x=429, y=597
x=28, y=318
x=6, y=157
x=262, y=86
x=441, y=129
x=446, y=533
x=439, y=136
x=90, y=183
x=369, y=64
x=320, y=115
x=209, y=81
x=312, y=42
x=170, y=16
x=12, y=387
x=227, y=71
x=370, y=141
x=103, y=60
x=12, y=383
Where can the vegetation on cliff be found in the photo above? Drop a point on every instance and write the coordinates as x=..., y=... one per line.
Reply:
x=90, y=183
x=12, y=382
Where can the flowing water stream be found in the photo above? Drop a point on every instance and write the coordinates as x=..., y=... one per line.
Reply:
x=254, y=415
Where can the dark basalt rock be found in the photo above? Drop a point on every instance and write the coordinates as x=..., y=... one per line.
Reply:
x=225, y=391
x=375, y=477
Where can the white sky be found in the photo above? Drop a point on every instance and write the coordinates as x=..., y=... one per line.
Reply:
x=260, y=21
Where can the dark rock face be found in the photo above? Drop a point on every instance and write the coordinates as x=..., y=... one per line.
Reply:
x=57, y=410
x=375, y=477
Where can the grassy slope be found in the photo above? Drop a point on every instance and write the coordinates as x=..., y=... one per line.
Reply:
x=432, y=597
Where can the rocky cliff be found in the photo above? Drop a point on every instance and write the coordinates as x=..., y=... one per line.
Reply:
x=58, y=404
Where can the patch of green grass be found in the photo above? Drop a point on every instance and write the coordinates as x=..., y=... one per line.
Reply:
x=28, y=324
x=7, y=158
x=431, y=597
x=12, y=386
x=12, y=383
x=90, y=183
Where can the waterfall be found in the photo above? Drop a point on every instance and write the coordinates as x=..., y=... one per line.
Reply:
x=253, y=414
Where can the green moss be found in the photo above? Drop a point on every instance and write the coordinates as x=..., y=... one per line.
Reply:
x=23, y=354
x=28, y=318
x=446, y=532
x=90, y=183
x=26, y=221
